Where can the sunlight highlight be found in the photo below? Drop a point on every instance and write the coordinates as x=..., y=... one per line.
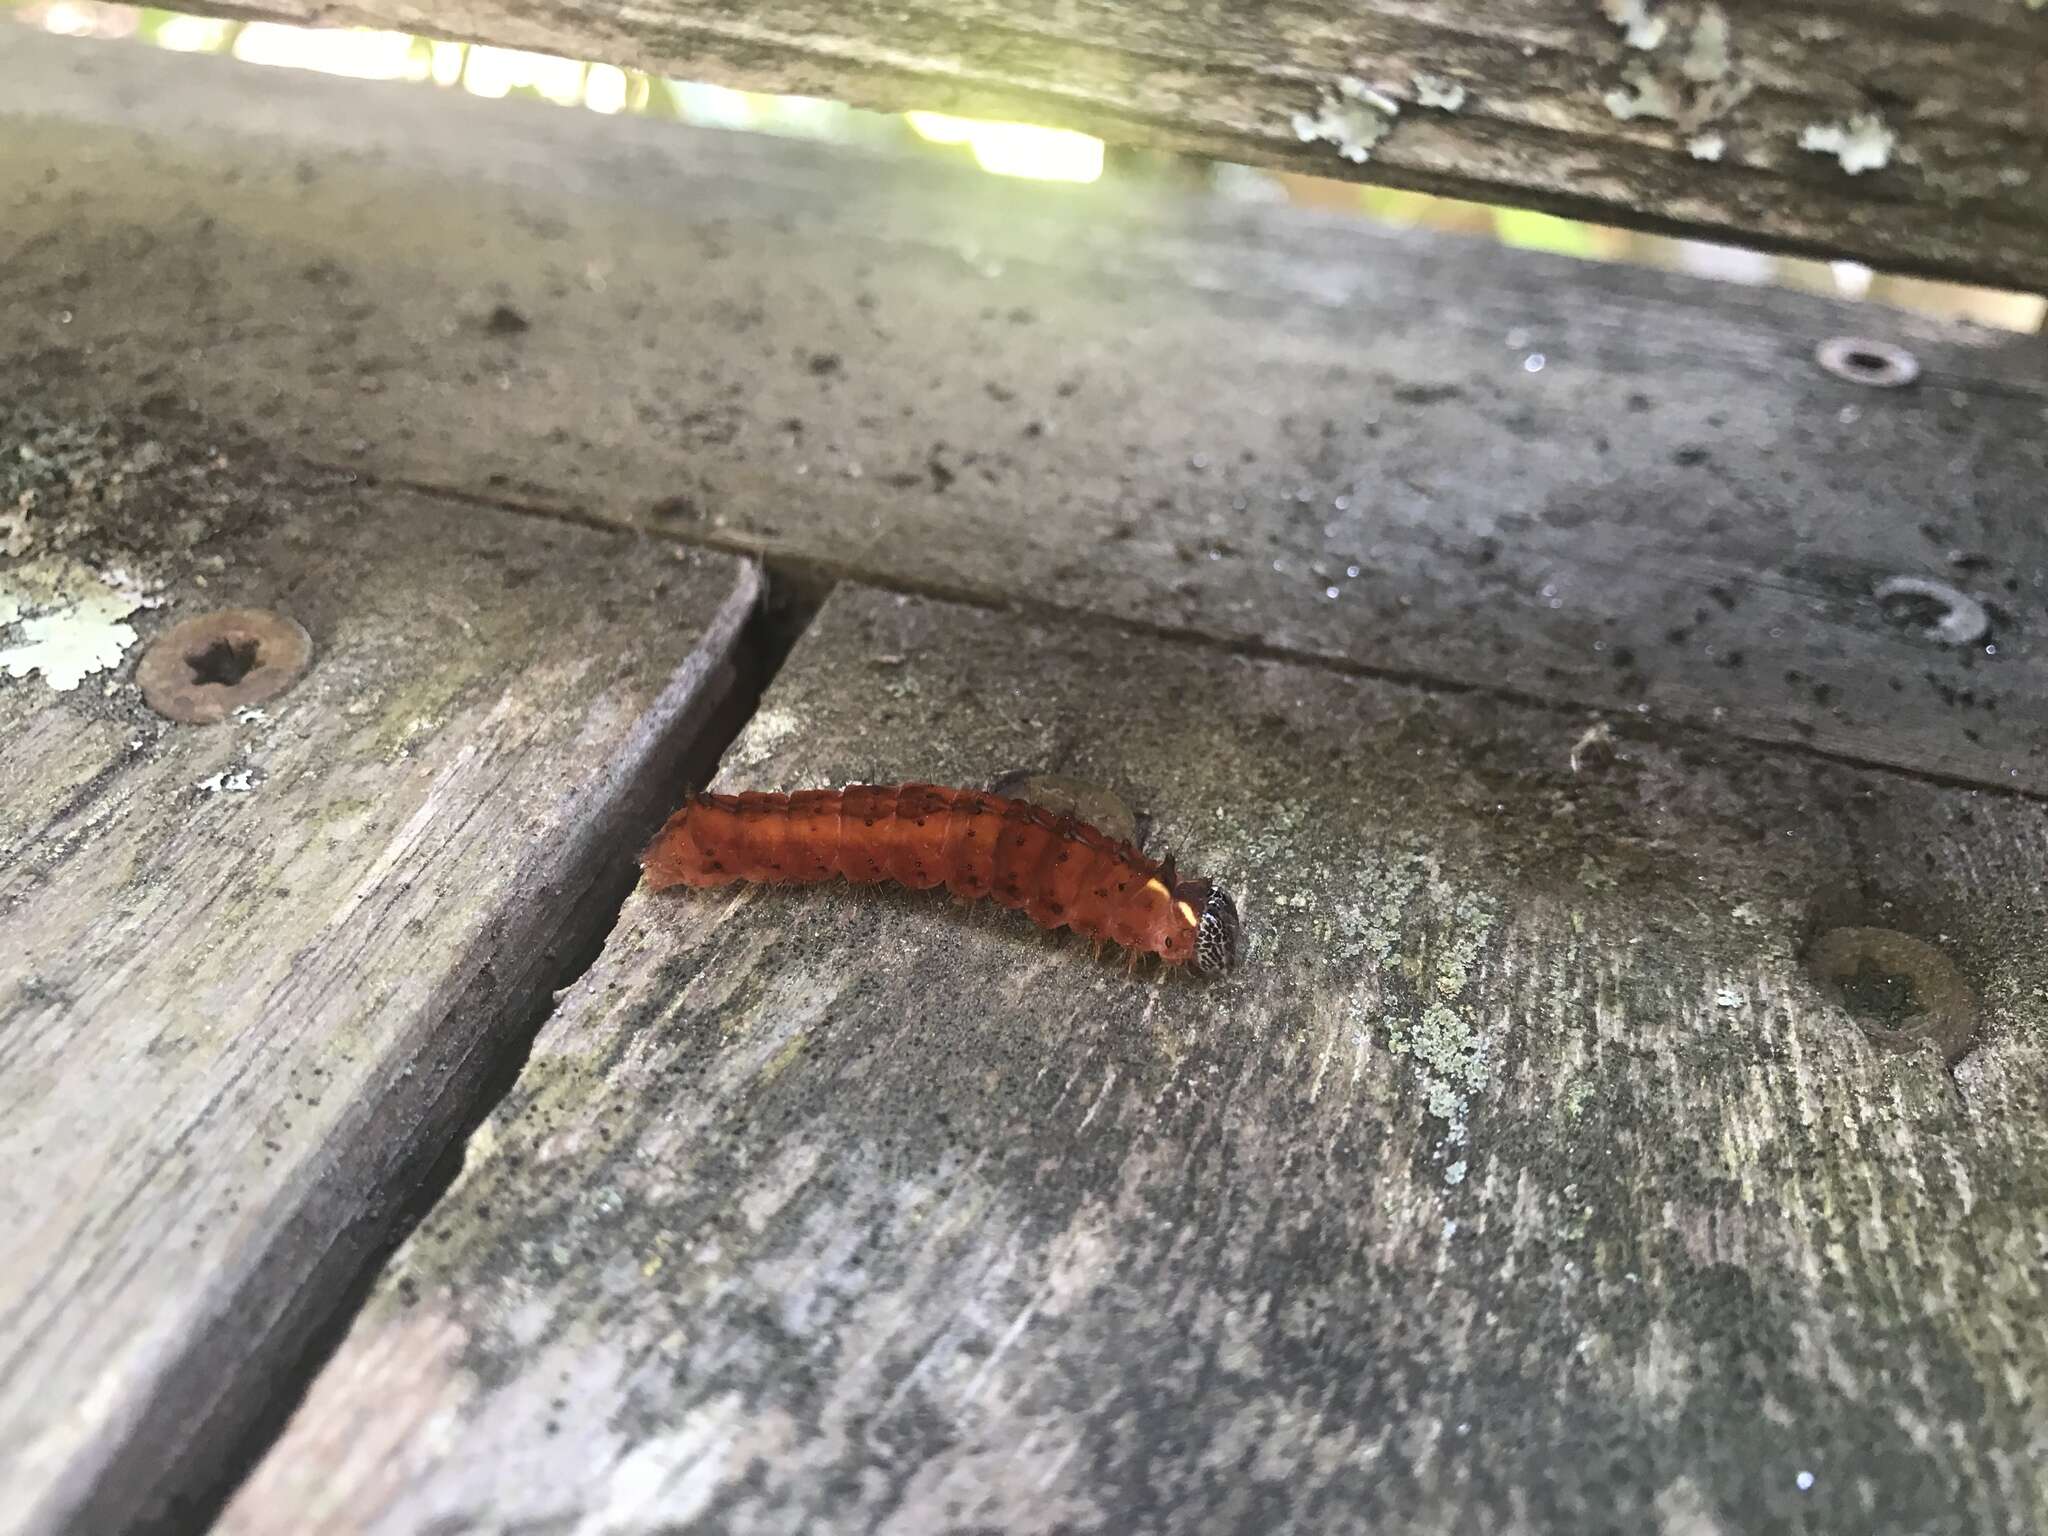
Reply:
x=1016, y=149
x=499, y=71
x=354, y=54
x=445, y=62
x=193, y=34
x=937, y=128
x=67, y=21
x=604, y=89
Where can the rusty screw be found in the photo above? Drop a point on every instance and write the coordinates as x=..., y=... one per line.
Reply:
x=1862, y=361
x=1902, y=991
x=201, y=670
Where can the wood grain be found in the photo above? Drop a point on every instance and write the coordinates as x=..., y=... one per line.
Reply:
x=1188, y=416
x=254, y=974
x=1523, y=1179
x=1708, y=118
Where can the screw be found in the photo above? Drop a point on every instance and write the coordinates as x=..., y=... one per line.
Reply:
x=1861, y=361
x=1936, y=610
x=201, y=670
x=1902, y=991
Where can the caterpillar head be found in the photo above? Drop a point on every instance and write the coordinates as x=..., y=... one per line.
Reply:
x=1216, y=930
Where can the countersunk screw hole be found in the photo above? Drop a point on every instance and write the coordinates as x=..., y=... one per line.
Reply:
x=1918, y=610
x=1933, y=610
x=225, y=662
x=203, y=669
x=1879, y=996
x=1901, y=991
x=1862, y=361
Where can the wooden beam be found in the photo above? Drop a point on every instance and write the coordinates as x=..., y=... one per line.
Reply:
x=256, y=973
x=1525, y=1177
x=1585, y=483
x=1909, y=136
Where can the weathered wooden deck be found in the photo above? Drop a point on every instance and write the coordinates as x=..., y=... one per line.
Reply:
x=1528, y=1176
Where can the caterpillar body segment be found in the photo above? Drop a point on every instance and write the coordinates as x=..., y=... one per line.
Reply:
x=1060, y=872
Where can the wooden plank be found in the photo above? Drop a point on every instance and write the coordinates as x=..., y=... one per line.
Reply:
x=254, y=974
x=1521, y=1179
x=1905, y=135
x=1192, y=417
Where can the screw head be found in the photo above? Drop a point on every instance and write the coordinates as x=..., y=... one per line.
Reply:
x=202, y=669
x=1933, y=1005
x=1860, y=360
x=1936, y=611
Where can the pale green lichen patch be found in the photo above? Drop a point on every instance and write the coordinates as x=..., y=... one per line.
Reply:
x=1862, y=144
x=69, y=644
x=1475, y=921
x=1575, y=1097
x=1639, y=27
x=1707, y=59
x=229, y=781
x=72, y=621
x=1355, y=118
x=1642, y=94
x=1692, y=88
x=1448, y=1049
x=1438, y=91
x=1452, y=1057
x=1368, y=925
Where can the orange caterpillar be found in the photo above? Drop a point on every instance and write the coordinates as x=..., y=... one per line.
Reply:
x=1061, y=872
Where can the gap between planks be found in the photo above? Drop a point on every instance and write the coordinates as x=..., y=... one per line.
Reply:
x=763, y=645
x=818, y=576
